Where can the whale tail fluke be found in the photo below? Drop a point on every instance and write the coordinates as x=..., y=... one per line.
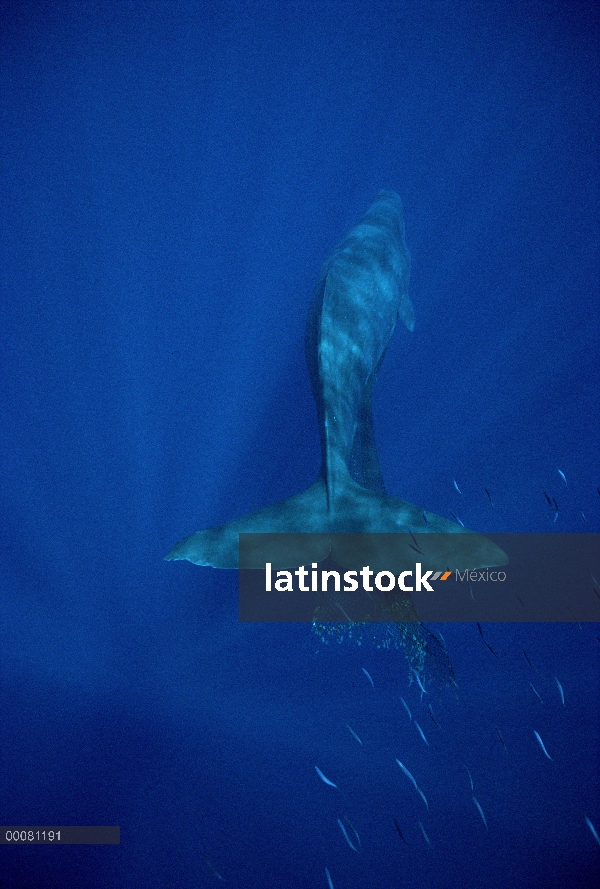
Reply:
x=218, y=546
x=308, y=530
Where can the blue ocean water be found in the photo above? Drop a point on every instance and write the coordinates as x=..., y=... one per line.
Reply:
x=174, y=176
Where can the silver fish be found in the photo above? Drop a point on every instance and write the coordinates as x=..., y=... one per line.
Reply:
x=560, y=690
x=413, y=782
x=427, y=840
x=353, y=733
x=346, y=837
x=323, y=778
x=419, y=683
x=422, y=795
x=469, y=774
x=481, y=813
x=536, y=692
x=592, y=828
x=408, y=774
x=420, y=731
x=541, y=743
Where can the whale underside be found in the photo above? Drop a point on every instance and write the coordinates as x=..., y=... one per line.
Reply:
x=362, y=292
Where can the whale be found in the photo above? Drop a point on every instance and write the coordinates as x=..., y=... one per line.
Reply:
x=360, y=297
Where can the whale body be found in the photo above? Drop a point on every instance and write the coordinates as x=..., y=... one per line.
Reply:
x=361, y=295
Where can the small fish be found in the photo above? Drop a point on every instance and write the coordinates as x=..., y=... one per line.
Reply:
x=425, y=517
x=419, y=683
x=484, y=642
x=470, y=778
x=489, y=496
x=416, y=545
x=555, y=504
x=548, y=500
x=369, y=677
x=541, y=743
x=413, y=782
x=211, y=868
x=501, y=738
x=456, y=519
x=323, y=778
x=471, y=590
x=422, y=795
x=420, y=731
x=583, y=517
x=353, y=829
x=353, y=733
x=329, y=883
x=427, y=840
x=563, y=476
x=536, y=692
x=520, y=600
x=400, y=834
x=592, y=828
x=560, y=691
x=435, y=722
x=480, y=810
x=527, y=659
x=407, y=708
x=456, y=486
x=346, y=837
x=408, y=774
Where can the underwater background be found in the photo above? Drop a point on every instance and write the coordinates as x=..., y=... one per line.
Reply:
x=174, y=175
